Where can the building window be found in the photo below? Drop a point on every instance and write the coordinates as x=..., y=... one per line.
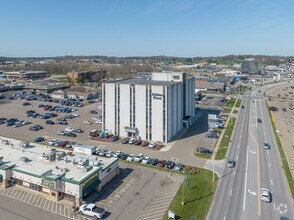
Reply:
x=35, y=187
x=176, y=77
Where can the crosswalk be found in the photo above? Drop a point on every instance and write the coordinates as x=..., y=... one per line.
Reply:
x=156, y=209
x=41, y=202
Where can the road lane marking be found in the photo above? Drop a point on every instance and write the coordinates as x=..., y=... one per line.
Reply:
x=225, y=218
x=230, y=192
x=264, y=134
x=269, y=164
x=253, y=152
x=237, y=157
x=239, y=146
x=252, y=192
x=245, y=188
x=234, y=173
x=267, y=152
x=272, y=182
x=274, y=206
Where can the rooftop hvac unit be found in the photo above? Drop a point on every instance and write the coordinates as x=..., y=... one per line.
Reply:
x=59, y=155
x=83, y=162
x=66, y=160
x=74, y=161
x=51, y=156
x=87, y=168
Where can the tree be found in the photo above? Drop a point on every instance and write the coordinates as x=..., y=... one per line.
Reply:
x=79, y=80
x=68, y=79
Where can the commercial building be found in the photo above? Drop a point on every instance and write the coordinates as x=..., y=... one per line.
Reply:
x=26, y=74
x=56, y=174
x=153, y=109
x=249, y=66
x=88, y=76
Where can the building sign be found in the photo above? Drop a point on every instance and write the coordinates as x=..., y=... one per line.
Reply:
x=90, y=180
x=157, y=96
x=171, y=214
x=48, y=183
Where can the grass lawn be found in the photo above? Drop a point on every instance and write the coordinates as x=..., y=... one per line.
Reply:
x=283, y=156
x=238, y=103
x=245, y=88
x=227, y=110
x=230, y=103
x=206, y=156
x=223, y=147
x=197, y=197
x=235, y=111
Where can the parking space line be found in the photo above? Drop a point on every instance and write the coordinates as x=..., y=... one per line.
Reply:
x=28, y=198
x=19, y=195
x=5, y=192
x=14, y=194
x=155, y=204
x=164, y=205
x=25, y=198
x=38, y=201
x=45, y=204
x=152, y=213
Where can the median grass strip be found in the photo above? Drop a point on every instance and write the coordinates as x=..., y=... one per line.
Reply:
x=238, y=103
x=206, y=156
x=223, y=147
x=283, y=156
x=235, y=111
x=230, y=103
x=198, y=196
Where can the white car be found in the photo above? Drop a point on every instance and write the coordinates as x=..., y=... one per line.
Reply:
x=152, y=145
x=265, y=195
x=52, y=141
x=92, y=210
x=75, y=114
x=98, y=121
x=25, y=122
x=146, y=160
x=60, y=132
x=132, y=141
x=131, y=157
x=87, y=122
x=100, y=108
x=109, y=153
x=118, y=153
x=138, y=158
x=69, y=129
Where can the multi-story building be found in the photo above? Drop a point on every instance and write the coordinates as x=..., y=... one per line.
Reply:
x=88, y=76
x=153, y=109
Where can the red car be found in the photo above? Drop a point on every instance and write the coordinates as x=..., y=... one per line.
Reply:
x=161, y=163
x=62, y=144
x=144, y=143
x=138, y=142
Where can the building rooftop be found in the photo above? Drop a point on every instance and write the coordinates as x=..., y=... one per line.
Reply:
x=34, y=161
x=141, y=81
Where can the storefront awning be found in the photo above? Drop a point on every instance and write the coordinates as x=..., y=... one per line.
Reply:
x=90, y=187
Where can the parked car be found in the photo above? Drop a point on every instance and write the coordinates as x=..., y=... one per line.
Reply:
x=62, y=133
x=93, y=112
x=70, y=134
x=153, y=162
x=161, y=163
x=109, y=153
x=102, y=152
x=131, y=157
x=144, y=143
x=92, y=210
x=62, y=123
x=231, y=163
x=137, y=142
x=49, y=122
x=117, y=154
x=125, y=140
x=39, y=139
x=26, y=103
x=52, y=142
x=77, y=130
x=146, y=160
x=265, y=195
x=179, y=167
x=273, y=108
x=114, y=138
x=152, y=145
x=203, y=150
x=69, y=129
x=211, y=135
x=138, y=158
x=169, y=164
x=87, y=122
x=132, y=141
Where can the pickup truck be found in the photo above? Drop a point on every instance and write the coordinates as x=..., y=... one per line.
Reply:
x=92, y=210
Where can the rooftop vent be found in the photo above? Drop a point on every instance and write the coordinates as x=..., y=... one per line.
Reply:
x=87, y=168
x=24, y=159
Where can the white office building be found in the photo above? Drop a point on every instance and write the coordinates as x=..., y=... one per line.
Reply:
x=153, y=109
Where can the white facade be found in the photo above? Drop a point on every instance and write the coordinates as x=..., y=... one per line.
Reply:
x=154, y=110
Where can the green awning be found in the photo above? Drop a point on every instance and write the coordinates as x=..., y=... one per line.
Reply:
x=90, y=187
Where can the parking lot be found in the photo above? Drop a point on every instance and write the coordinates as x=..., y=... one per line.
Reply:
x=138, y=193
x=284, y=118
x=212, y=101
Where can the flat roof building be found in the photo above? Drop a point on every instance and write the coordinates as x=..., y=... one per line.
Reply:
x=26, y=74
x=152, y=108
x=58, y=174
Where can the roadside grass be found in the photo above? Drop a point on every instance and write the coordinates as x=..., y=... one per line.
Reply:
x=238, y=103
x=283, y=156
x=230, y=103
x=206, y=156
x=223, y=147
x=227, y=110
x=245, y=89
x=235, y=111
x=198, y=196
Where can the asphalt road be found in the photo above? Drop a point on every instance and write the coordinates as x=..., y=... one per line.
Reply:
x=238, y=193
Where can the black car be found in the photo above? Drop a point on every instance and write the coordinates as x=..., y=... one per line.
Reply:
x=114, y=138
x=242, y=106
x=212, y=135
x=125, y=140
x=93, y=112
x=39, y=139
x=49, y=122
x=34, y=128
x=70, y=134
x=26, y=103
x=203, y=150
x=123, y=156
x=169, y=164
x=78, y=130
x=62, y=123
x=259, y=121
x=61, y=119
x=10, y=123
x=153, y=162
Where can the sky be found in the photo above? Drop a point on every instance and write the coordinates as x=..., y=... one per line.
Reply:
x=185, y=28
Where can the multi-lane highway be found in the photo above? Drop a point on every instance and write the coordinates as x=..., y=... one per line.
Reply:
x=238, y=194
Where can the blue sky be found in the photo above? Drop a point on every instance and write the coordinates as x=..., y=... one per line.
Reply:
x=186, y=28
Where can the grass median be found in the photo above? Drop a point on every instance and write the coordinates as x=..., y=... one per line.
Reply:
x=283, y=156
x=230, y=103
x=198, y=196
x=223, y=147
x=238, y=103
x=205, y=156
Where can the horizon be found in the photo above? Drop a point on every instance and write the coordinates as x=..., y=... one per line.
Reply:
x=144, y=29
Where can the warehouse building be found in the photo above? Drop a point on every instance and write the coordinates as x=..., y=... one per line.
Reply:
x=55, y=174
x=153, y=108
